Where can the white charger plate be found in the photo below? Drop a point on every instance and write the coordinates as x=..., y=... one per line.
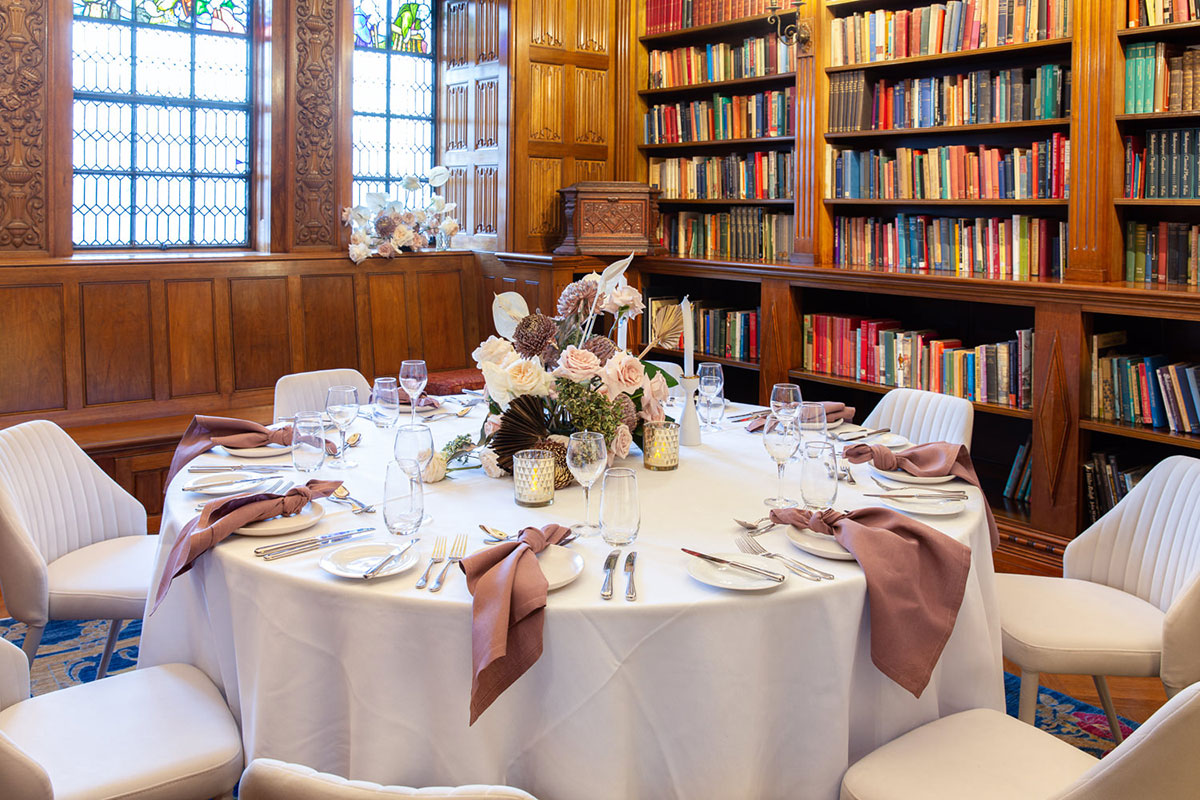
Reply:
x=266, y=451
x=724, y=577
x=561, y=565
x=835, y=424
x=927, y=508
x=818, y=544
x=900, y=476
x=353, y=560
x=224, y=483
x=310, y=515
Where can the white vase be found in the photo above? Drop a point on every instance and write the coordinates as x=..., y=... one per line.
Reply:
x=689, y=421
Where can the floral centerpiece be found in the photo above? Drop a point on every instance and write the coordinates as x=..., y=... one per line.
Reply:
x=549, y=376
x=386, y=228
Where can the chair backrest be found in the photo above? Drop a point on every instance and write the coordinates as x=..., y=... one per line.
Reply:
x=923, y=417
x=305, y=391
x=1158, y=759
x=268, y=779
x=20, y=775
x=675, y=371
x=53, y=501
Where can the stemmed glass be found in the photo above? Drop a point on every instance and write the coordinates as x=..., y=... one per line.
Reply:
x=811, y=419
x=386, y=398
x=404, y=502
x=586, y=458
x=341, y=404
x=413, y=377
x=620, y=512
x=413, y=448
x=780, y=438
x=818, y=476
x=712, y=380
x=785, y=400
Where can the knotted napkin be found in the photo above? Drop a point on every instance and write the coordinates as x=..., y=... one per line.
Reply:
x=926, y=461
x=834, y=411
x=916, y=577
x=424, y=401
x=220, y=518
x=204, y=432
x=507, y=612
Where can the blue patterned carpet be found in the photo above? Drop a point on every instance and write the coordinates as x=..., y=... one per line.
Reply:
x=71, y=650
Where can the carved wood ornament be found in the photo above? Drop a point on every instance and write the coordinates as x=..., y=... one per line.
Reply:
x=22, y=124
x=315, y=216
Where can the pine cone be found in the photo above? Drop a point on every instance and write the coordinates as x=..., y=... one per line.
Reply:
x=533, y=333
x=550, y=354
x=562, y=473
x=602, y=346
x=628, y=410
x=577, y=297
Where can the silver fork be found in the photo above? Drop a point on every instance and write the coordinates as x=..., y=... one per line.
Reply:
x=748, y=545
x=456, y=553
x=439, y=555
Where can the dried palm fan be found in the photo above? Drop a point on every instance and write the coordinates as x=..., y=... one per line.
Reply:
x=665, y=328
x=522, y=426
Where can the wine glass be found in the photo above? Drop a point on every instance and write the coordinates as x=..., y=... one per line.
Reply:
x=620, y=512
x=413, y=377
x=713, y=413
x=586, y=458
x=386, y=398
x=341, y=404
x=785, y=400
x=780, y=438
x=413, y=447
x=712, y=380
x=308, y=441
x=818, y=476
x=404, y=501
x=811, y=421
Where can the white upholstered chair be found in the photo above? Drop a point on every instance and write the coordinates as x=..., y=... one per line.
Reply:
x=163, y=732
x=923, y=417
x=73, y=543
x=1129, y=599
x=986, y=755
x=305, y=391
x=268, y=779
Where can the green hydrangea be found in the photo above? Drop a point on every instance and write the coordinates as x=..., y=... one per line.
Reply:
x=581, y=408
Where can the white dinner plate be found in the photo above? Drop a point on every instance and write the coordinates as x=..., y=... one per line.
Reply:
x=266, y=451
x=724, y=577
x=226, y=483
x=900, y=476
x=835, y=424
x=818, y=544
x=353, y=560
x=310, y=515
x=929, y=508
x=560, y=565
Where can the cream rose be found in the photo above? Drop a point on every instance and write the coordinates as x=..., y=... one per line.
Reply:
x=435, y=470
x=359, y=253
x=491, y=463
x=402, y=237
x=622, y=441
x=495, y=379
x=623, y=373
x=494, y=350
x=449, y=226
x=527, y=376
x=624, y=298
x=578, y=365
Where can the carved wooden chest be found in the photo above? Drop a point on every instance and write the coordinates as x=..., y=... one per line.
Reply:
x=609, y=218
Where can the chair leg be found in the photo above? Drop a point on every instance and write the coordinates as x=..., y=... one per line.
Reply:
x=114, y=629
x=33, y=638
x=1110, y=711
x=1027, y=711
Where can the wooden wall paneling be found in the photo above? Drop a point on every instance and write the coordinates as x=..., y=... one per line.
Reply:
x=116, y=333
x=161, y=348
x=812, y=224
x=547, y=102
x=32, y=346
x=631, y=70
x=1058, y=363
x=223, y=335
x=440, y=298
x=24, y=133
x=328, y=313
x=191, y=327
x=260, y=328
x=73, y=349
x=279, y=126
x=455, y=118
x=780, y=342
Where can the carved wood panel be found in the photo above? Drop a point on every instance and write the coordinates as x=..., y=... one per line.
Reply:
x=593, y=106
x=23, y=93
x=548, y=24
x=546, y=102
x=586, y=170
x=458, y=48
x=259, y=325
x=487, y=112
x=1058, y=362
x=809, y=145
x=119, y=365
x=545, y=208
x=455, y=191
x=315, y=216
x=389, y=330
x=487, y=31
x=330, y=329
x=591, y=25
x=33, y=346
x=191, y=337
x=486, y=191
x=454, y=118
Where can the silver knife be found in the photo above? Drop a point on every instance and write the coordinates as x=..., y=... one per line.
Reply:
x=610, y=563
x=375, y=570
x=630, y=562
x=766, y=573
x=308, y=548
x=325, y=537
x=854, y=437
x=243, y=468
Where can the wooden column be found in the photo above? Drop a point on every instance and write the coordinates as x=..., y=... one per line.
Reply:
x=779, y=335
x=811, y=91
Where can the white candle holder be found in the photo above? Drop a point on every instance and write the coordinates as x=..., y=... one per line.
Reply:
x=689, y=421
x=660, y=446
x=533, y=478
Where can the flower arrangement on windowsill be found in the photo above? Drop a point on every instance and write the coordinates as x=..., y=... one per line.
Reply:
x=386, y=228
x=547, y=377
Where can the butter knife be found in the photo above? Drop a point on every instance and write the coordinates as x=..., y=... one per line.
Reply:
x=383, y=563
x=630, y=562
x=610, y=563
x=766, y=573
x=325, y=537
x=854, y=437
x=308, y=548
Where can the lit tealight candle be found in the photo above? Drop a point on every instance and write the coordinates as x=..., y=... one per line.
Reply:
x=661, y=451
x=533, y=478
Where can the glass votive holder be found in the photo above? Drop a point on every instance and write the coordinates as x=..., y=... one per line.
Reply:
x=660, y=446
x=533, y=478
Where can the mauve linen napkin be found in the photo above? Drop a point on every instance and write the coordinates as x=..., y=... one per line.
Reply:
x=507, y=612
x=220, y=518
x=834, y=411
x=205, y=432
x=916, y=577
x=424, y=401
x=926, y=461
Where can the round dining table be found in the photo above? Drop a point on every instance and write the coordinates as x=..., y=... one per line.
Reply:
x=689, y=691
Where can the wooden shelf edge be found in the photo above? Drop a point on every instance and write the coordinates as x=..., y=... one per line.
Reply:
x=722, y=201
x=1158, y=116
x=979, y=52
x=778, y=77
x=712, y=27
x=1143, y=432
x=1153, y=31
x=879, y=388
x=718, y=143
x=729, y=362
x=1151, y=202
x=854, y=201
x=1027, y=124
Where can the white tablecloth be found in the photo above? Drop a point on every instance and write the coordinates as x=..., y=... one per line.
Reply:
x=690, y=692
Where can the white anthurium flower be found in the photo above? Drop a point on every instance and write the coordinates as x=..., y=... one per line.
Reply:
x=508, y=309
x=614, y=272
x=374, y=202
x=437, y=175
x=446, y=209
x=411, y=183
x=356, y=217
x=436, y=204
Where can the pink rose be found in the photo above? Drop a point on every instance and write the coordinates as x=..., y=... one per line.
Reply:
x=622, y=441
x=652, y=409
x=577, y=365
x=623, y=298
x=491, y=425
x=623, y=373
x=657, y=388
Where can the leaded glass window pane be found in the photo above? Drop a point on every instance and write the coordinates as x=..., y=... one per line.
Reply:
x=162, y=128
x=393, y=95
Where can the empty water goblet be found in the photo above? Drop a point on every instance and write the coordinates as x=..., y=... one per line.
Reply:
x=811, y=420
x=780, y=439
x=404, y=501
x=587, y=456
x=414, y=446
x=308, y=442
x=712, y=380
x=341, y=404
x=818, y=475
x=620, y=510
x=413, y=377
x=785, y=400
x=385, y=399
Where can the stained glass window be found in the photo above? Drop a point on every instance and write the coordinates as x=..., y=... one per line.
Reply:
x=162, y=123
x=393, y=94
